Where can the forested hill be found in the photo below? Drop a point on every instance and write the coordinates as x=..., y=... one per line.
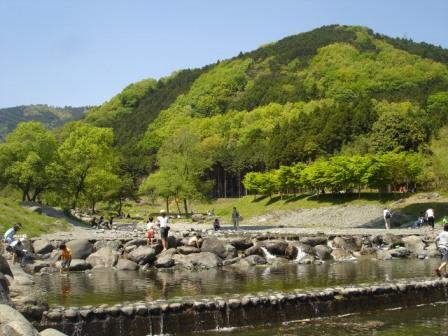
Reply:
x=331, y=90
x=48, y=115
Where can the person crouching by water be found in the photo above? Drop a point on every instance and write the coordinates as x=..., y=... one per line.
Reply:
x=66, y=258
x=195, y=241
x=442, y=245
x=162, y=221
x=150, y=231
x=216, y=224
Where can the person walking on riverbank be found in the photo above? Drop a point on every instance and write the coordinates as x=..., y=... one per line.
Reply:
x=236, y=219
x=387, y=215
x=430, y=217
x=8, y=237
x=442, y=245
x=162, y=221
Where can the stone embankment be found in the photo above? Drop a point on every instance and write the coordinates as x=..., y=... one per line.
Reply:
x=171, y=317
x=12, y=322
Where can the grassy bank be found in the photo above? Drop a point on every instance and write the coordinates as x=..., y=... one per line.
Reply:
x=250, y=206
x=33, y=223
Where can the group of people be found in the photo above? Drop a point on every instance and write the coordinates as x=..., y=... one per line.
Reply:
x=424, y=217
x=162, y=225
x=102, y=223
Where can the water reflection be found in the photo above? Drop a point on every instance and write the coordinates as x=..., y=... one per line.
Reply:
x=110, y=286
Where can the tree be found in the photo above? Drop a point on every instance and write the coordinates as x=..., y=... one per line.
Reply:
x=99, y=184
x=84, y=149
x=26, y=159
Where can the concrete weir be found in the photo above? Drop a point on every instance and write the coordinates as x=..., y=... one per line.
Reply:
x=174, y=317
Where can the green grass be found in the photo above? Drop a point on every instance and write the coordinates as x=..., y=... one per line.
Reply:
x=33, y=223
x=251, y=206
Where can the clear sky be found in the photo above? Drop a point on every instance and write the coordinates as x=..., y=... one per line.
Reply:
x=82, y=52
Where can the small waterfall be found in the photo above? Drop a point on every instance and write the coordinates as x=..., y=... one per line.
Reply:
x=267, y=254
x=77, y=330
x=300, y=254
x=150, y=326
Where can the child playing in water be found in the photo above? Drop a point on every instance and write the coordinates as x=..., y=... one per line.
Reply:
x=66, y=256
x=150, y=231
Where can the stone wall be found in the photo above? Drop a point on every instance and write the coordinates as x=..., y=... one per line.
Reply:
x=173, y=317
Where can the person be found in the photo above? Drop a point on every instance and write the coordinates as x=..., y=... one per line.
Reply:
x=195, y=241
x=93, y=223
x=100, y=222
x=8, y=237
x=442, y=246
x=420, y=220
x=111, y=222
x=162, y=222
x=66, y=257
x=18, y=251
x=150, y=231
x=430, y=217
x=235, y=218
x=216, y=224
x=387, y=216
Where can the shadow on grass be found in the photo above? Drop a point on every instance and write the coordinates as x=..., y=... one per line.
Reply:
x=295, y=198
x=413, y=210
x=346, y=198
x=259, y=198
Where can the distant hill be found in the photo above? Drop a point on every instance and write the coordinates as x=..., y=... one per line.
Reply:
x=49, y=115
x=335, y=89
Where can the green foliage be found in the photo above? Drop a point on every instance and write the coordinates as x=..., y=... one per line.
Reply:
x=85, y=149
x=341, y=174
x=25, y=159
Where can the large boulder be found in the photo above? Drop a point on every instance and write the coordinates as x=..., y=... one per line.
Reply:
x=126, y=265
x=142, y=255
x=79, y=265
x=251, y=260
x=291, y=251
x=42, y=246
x=51, y=332
x=104, y=257
x=276, y=247
x=198, y=217
x=36, y=266
x=231, y=251
x=255, y=249
x=12, y=323
x=165, y=259
x=241, y=244
x=115, y=245
x=313, y=241
x=36, y=209
x=348, y=243
x=414, y=243
x=81, y=248
x=400, y=252
x=323, y=252
x=392, y=240
x=340, y=254
x=188, y=249
x=214, y=245
x=202, y=260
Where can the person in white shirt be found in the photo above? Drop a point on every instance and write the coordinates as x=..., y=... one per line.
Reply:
x=387, y=215
x=8, y=237
x=442, y=245
x=430, y=217
x=162, y=221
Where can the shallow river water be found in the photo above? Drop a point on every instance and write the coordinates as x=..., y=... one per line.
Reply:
x=110, y=286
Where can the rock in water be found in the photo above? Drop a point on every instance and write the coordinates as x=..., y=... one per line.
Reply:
x=214, y=245
x=104, y=257
x=12, y=323
x=143, y=255
x=51, y=332
x=126, y=265
x=42, y=246
x=81, y=248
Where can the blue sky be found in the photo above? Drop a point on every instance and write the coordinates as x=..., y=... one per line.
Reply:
x=83, y=52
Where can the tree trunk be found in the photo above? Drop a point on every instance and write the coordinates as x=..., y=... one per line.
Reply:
x=225, y=184
x=239, y=183
x=167, y=206
x=186, y=207
x=93, y=207
x=177, y=205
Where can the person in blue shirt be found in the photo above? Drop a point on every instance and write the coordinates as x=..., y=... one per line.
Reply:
x=8, y=237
